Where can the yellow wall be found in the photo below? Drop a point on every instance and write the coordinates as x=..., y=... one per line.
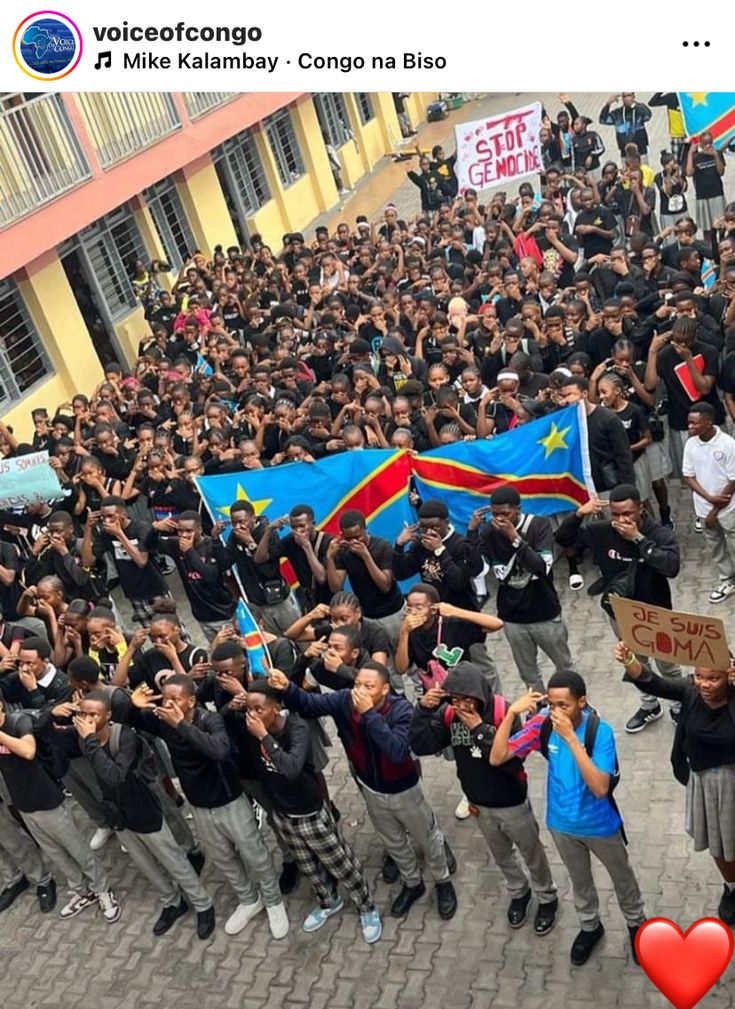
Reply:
x=314, y=152
x=130, y=331
x=205, y=207
x=56, y=316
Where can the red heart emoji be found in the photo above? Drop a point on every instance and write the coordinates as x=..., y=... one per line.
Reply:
x=684, y=965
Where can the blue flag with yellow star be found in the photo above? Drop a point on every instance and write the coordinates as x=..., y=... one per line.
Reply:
x=546, y=461
x=709, y=110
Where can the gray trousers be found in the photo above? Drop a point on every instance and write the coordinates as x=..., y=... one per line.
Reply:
x=721, y=544
x=229, y=835
x=19, y=856
x=402, y=818
x=277, y=618
x=511, y=830
x=677, y=440
x=671, y=670
x=478, y=655
x=526, y=639
x=59, y=839
x=575, y=853
x=166, y=867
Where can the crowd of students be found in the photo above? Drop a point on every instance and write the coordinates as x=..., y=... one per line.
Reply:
x=598, y=284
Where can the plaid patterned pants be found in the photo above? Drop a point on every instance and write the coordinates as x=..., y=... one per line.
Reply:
x=324, y=856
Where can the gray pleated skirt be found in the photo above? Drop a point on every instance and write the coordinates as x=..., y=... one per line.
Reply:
x=708, y=211
x=710, y=811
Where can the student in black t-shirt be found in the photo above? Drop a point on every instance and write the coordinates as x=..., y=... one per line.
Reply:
x=344, y=610
x=688, y=370
x=168, y=652
x=635, y=422
x=129, y=542
x=201, y=562
x=519, y=549
x=436, y=631
x=595, y=227
x=367, y=561
x=305, y=547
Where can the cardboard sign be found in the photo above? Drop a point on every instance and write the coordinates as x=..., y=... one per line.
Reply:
x=690, y=639
x=26, y=479
x=499, y=149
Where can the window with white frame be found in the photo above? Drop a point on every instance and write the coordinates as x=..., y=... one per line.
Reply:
x=364, y=106
x=331, y=112
x=282, y=138
x=23, y=361
x=169, y=218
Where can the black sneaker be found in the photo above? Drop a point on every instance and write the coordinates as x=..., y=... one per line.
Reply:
x=10, y=893
x=674, y=712
x=545, y=918
x=446, y=900
x=451, y=860
x=642, y=718
x=584, y=944
x=633, y=932
x=596, y=588
x=726, y=907
x=205, y=923
x=390, y=870
x=518, y=909
x=46, y=893
x=196, y=858
x=406, y=899
x=288, y=878
x=168, y=916
x=336, y=814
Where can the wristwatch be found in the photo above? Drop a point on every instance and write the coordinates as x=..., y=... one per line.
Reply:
x=439, y=551
x=516, y=542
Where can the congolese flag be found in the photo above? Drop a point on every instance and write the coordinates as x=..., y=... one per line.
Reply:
x=546, y=461
x=258, y=658
x=374, y=482
x=709, y=110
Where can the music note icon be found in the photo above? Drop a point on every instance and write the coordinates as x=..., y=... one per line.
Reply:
x=104, y=60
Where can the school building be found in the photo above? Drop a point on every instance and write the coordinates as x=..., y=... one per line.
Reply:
x=91, y=182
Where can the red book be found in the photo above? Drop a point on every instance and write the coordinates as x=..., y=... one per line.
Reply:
x=684, y=375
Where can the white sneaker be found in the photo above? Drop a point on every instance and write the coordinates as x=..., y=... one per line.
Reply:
x=721, y=593
x=576, y=582
x=78, y=902
x=463, y=809
x=109, y=907
x=277, y=920
x=242, y=914
x=100, y=838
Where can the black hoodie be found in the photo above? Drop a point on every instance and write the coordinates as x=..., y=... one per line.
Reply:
x=433, y=731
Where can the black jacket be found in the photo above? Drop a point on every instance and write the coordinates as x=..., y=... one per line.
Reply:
x=656, y=556
x=433, y=731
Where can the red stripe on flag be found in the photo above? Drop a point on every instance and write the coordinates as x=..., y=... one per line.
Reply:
x=448, y=475
x=373, y=494
x=720, y=127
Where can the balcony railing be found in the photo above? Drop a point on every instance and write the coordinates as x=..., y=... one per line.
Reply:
x=40, y=156
x=120, y=125
x=197, y=103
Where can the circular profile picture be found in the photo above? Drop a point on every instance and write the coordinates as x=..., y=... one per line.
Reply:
x=47, y=45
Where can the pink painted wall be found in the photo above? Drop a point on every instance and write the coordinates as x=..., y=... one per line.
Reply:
x=29, y=238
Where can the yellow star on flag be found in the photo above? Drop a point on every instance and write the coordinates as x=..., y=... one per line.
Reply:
x=554, y=439
x=698, y=98
x=258, y=506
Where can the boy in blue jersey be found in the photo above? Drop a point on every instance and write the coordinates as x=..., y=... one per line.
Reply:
x=580, y=815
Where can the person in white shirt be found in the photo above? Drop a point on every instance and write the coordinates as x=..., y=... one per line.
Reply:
x=709, y=470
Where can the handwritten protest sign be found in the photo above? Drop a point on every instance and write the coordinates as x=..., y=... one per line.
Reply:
x=690, y=639
x=27, y=479
x=499, y=149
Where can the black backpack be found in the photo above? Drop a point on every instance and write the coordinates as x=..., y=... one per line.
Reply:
x=590, y=734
